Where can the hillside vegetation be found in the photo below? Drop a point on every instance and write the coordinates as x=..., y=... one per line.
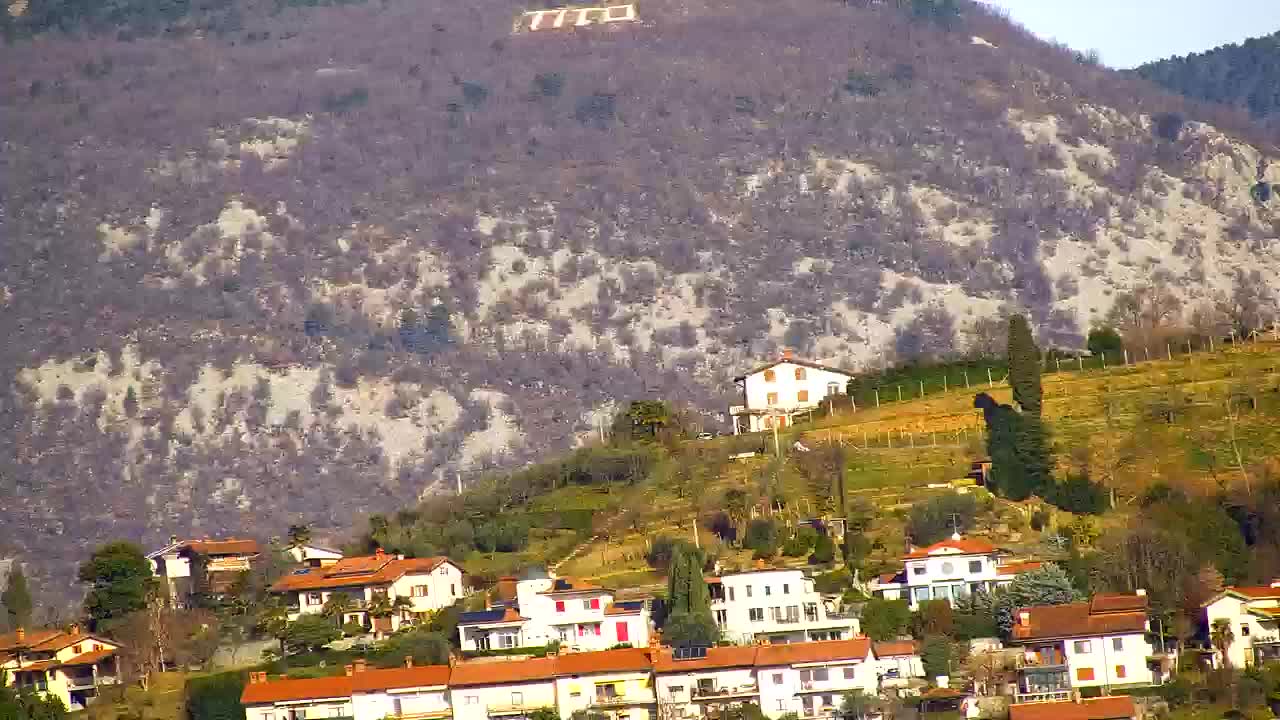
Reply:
x=1245, y=75
x=276, y=263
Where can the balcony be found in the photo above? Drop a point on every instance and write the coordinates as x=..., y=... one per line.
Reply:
x=1042, y=697
x=507, y=710
x=632, y=698
x=78, y=682
x=429, y=715
x=726, y=693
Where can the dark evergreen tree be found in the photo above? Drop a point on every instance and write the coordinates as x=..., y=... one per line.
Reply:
x=689, y=621
x=120, y=582
x=16, y=599
x=1024, y=366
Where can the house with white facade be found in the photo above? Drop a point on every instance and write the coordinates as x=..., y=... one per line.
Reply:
x=776, y=393
x=898, y=662
x=314, y=555
x=542, y=609
x=778, y=606
x=297, y=698
x=1099, y=643
x=420, y=693
x=949, y=569
x=704, y=682
x=1253, y=613
x=223, y=561
x=811, y=678
x=615, y=683
x=501, y=689
x=413, y=587
x=70, y=665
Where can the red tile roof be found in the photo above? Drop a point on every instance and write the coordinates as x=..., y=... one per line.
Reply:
x=9, y=641
x=90, y=658
x=1104, y=708
x=717, y=657
x=621, y=660
x=1074, y=620
x=405, y=677
x=1117, y=602
x=963, y=546
x=230, y=546
x=793, y=361
x=287, y=689
x=358, y=571
x=50, y=640
x=805, y=652
x=1017, y=568
x=894, y=648
x=498, y=673
x=1255, y=592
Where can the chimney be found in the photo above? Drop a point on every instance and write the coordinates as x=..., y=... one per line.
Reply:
x=358, y=665
x=349, y=669
x=1024, y=618
x=408, y=661
x=760, y=564
x=787, y=354
x=20, y=635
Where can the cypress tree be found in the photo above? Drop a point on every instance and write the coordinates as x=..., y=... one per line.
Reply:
x=17, y=599
x=677, y=581
x=1024, y=366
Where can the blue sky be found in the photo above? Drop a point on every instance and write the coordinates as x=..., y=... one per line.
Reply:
x=1131, y=32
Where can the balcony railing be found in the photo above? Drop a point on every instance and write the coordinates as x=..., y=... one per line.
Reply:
x=631, y=698
x=1041, y=663
x=81, y=683
x=429, y=715
x=1045, y=696
x=519, y=709
x=725, y=693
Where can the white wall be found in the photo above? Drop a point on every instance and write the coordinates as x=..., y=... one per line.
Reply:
x=1103, y=658
x=309, y=710
x=778, y=698
x=948, y=568
x=577, y=692
x=675, y=689
x=787, y=387
x=378, y=705
x=473, y=703
x=765, y=591
x=444, y=587
x=1244, y=626
x=907, y=666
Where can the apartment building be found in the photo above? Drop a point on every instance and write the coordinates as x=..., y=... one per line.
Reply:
x=778, y=606
x=382, y=591
x=180, y=563
x=1099, y=643
x=622, y=684
x=949, y=569
x=70, y=665
x=1253, y=614
x=540, y=608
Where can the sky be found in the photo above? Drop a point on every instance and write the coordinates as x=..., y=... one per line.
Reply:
x=1130, y=32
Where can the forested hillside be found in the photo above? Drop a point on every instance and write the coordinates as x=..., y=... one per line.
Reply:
x=1246, y=75
x=270, y=263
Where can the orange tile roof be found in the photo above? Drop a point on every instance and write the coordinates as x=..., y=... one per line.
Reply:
x=621, y=660
x=717, y=657
x=806, y=652
x=1103, y=708
x=570, y=585
x=357, y=571
x=287, y=689
x=964, y=546
x=230, y=546
x=1117, y=602
x=1074, y=620
x=66, y=640
x=90, y=658
x=38, y=666
x=388, y=678
x=498, y=673
x=1017, y=568
x=793, y=361
x=894, y=647
x=1255, y=592
x=9, y=641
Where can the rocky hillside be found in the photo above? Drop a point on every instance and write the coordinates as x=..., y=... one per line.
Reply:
x=304, y=263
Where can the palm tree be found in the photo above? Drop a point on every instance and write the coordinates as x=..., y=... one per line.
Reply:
x=1222, y=636
x=337, y=606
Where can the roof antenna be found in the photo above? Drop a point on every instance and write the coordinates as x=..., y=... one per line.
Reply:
x=955, y=527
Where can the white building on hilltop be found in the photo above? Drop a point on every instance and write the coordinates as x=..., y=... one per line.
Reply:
x=776, y=392
x=946, y=570
x=778, y=606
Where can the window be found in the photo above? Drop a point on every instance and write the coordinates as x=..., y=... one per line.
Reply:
x=1084, y=674
x=418, y=591
x=453, y=589
x=1082, y=647
x=1120, y=672
x=756, y=614
x=731, y=598
x=849, y=673
x=975, y=566
x=1117, y=644
x=777, y=678
x=918, y=570
x=586, y=604
x=769, y=376
x=559, y=606
x=75, y=649
x=811, y=612
x=833, y=389
x=471, y=700
x=706, y=685
x=820, y=675
x=768, y=591
x=624, y=631
x=802, y=396
x=920, y=594
x=517, y=699
x=806, y=676
x=722, y=617
x=1244, y=630
x=595, y=603
x=748, y=591
x=948, y=568
x=315, y=598
x=782, y=705
x=786, y=589
x=771, y=399
x=799, y=373
x=595, y=629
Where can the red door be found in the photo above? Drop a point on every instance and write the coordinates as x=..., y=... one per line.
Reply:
x=623, y=632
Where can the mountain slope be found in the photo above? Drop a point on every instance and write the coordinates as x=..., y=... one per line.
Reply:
x=1246, y=75
x=308, y=263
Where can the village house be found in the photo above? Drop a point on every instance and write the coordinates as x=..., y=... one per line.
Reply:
x=812, y=678
x=409, y=692
x=1119, y=707
x=314, y=555
x=297, y=698
x=776, y=393
x=223, y=561
x=898, y=662
x=704, y=682
x=1099, y=643
x=946, y=570
x=617, y=684
x=776, y=605
x=1253, y=614
x=382, y=591
x=70, y=665
x=502, y=689
x=540, y=608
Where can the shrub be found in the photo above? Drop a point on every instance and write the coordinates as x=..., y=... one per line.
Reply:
x=824, y=551
x=936, y=518
x=761, y=538
x=1168, y=126
x=310, y=632
x=1104, y=341
x=939, y=655
x=885, y=619
x=800, y=542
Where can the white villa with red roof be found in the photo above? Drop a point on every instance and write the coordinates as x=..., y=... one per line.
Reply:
x=949, y=569
x=1253, y=613
x=66, y=664
x=774, y=393
x=778, y=605
x=545, y=609
x=223, y=562
x=426, y=584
